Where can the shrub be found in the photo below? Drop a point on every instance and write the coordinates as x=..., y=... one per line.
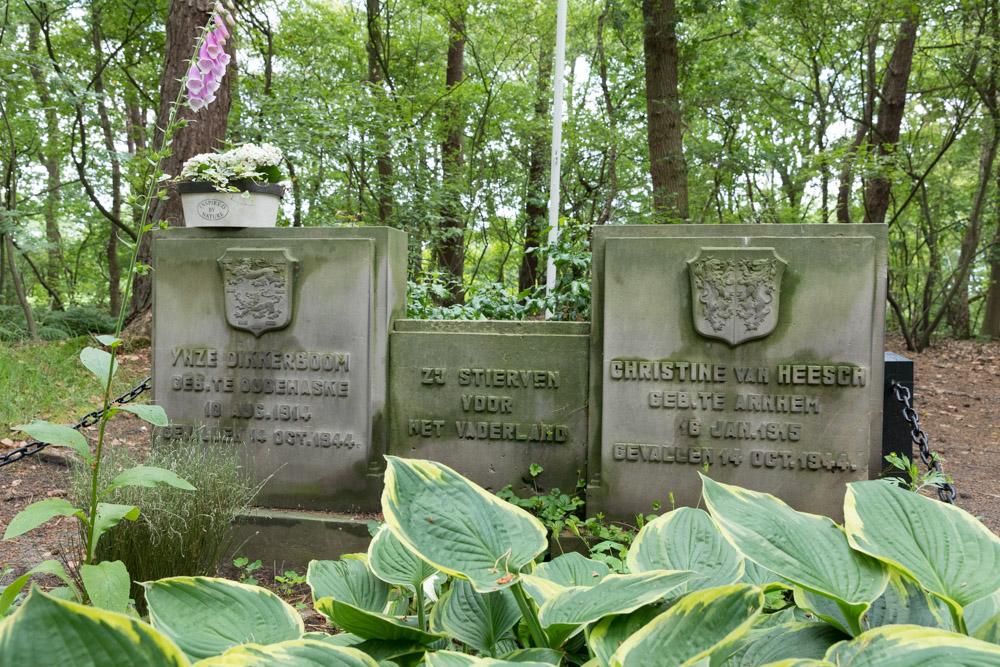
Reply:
x=179, y=532
x=79, y=321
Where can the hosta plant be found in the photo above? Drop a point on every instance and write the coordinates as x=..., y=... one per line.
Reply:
x=456, y=576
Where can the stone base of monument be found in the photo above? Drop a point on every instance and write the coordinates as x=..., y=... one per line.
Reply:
x=291, y=539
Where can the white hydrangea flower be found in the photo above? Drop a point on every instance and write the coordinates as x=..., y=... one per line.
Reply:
x=246, y=162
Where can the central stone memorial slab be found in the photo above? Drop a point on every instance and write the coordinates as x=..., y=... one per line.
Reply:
x=491, y=398
x=752, y=353
x=277, y=339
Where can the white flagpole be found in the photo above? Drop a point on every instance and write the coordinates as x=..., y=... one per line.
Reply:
x=554, y=172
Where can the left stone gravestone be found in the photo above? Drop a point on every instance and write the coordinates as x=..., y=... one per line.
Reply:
x=276, y=339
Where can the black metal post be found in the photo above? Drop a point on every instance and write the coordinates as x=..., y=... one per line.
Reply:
x=896, y=435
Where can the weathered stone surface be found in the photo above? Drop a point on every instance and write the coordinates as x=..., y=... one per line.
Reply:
x=754, y=350
x=491, y=398
x=278, y=338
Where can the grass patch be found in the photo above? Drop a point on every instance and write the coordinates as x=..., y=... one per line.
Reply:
x=47, y=381
x=178, y=532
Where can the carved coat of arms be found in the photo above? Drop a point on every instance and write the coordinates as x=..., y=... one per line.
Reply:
x=258, y=285
x=735, y=292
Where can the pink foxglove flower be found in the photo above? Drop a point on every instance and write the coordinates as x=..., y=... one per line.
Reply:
x=206, y=72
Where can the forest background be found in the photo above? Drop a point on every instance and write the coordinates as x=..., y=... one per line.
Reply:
x=434, y=116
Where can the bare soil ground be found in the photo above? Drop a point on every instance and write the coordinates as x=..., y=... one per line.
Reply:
x=957, y=395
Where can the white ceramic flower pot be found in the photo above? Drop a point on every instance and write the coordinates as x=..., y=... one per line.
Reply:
x=256, y=205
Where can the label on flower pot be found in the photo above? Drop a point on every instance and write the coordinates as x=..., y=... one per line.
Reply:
x=212, y=209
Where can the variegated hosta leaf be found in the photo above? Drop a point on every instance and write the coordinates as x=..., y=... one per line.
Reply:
x=906, y=603
x=348, y=580
x=476, y=619
x=458, y=526
x=207, y=616
x=545, y=656
x=755, y=575
x=913, y=646
x=782, y=642
x=611, y=631
x=540, y=589
x=298, y=652
x=806, y=549
x=49, y=631
x=982, y=618
x=392, y=562
x=824, y=608
x=696, y=626
x=942, y=547
x=371, y=625
x=573, y=569
x=453, y=659
x=572, y=608
x=686, y=539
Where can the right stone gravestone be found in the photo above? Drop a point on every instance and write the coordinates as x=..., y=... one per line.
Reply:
x=751, y=353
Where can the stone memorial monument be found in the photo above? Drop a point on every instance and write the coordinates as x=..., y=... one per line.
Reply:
x=753, y=353
x=491, y=398
x=277, y=339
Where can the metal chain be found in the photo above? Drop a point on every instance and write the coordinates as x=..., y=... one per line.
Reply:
x=946, y=492
x=88, y=419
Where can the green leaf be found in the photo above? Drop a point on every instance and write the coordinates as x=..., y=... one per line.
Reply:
x=611, y=631
x=55, y=568
x=453, y=659
x=782, y=642
x=569, y=610
x=148, y=476
x=153, y=414
x=457, y=526
x=755, y=575
x=60, y=436
x=206, y=616
x=49, y=631
x=370, y=625
x=108, y=341
x=36, y=514
x=392, y=562
x=906, y=603
x=573, y=569
x=298, y=652
x=698, y=625
x=806, y=549
x=982, y=618
x=686, y=539
x=110, y=515
x=913, y=645
x=339, y=639
x=824, y=608
x=107, y=585
x=547, y=656
x=476, y=619
x=348, y=580
x=10, y=592
x=940, y=546
x=99, y=362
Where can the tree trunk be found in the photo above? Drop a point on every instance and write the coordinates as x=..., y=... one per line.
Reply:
x=664, y=126
x=376, y=75
x=53, y=182
x=612, y=110
x=890, y=114
x=206, y=128
x=864, y=127
x=535, y=200
x=15, y=280
x=114, y=270
x=451, y=247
